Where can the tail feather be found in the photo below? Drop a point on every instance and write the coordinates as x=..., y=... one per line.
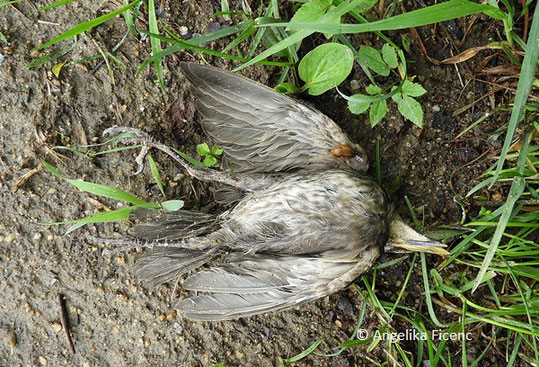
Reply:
x=167, y=225
x=163, y=264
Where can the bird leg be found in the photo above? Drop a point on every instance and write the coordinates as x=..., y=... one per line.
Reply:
x=137, y=136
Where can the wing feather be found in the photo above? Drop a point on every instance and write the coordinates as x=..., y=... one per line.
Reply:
x=261, y=130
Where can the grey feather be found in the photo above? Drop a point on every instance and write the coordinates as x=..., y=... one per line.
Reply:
x=163, y=264
x=230, y=306
x=254, y=284
x=227, y=279
x=261, y=130
x=170, y=225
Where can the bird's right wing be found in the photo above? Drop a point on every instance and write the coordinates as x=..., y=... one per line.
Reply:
x=255, y=284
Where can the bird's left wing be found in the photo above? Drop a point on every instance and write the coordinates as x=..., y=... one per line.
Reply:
x=261, y=130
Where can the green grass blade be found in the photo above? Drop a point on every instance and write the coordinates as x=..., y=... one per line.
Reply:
x=433, y=14
x=155, y=174
x=86, y=26
x=301, y=34
x=527, y=73
x=101, y=190
x=208, y=51
x=427, y=293
x=195, y=41
x=112, y=216
x=303, y=354
x=516, y=190
x=4, y=3
x=53, y=56
x=55, y=4
x=130, y=19
x=155, y=42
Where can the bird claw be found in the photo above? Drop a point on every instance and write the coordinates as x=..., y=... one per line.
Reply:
x=136, y=136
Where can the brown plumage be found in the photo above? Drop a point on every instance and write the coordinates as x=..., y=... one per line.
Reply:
x=307, y=222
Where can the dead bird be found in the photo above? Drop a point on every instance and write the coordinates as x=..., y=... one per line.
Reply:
x=307, y=220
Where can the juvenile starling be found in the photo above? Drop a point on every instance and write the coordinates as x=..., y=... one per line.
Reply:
x=306, y=220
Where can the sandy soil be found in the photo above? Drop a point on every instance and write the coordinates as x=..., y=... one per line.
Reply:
x=114, y=319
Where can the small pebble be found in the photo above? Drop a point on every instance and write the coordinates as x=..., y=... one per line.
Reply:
x=183, y=30
x=338, y=323
x=354, y=84
x=436, y=108
x=42, y=361
x=56, y=327
x=1, y=58
x=10, y=237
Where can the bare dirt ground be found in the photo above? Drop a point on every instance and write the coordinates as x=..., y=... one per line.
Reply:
x=114, y=319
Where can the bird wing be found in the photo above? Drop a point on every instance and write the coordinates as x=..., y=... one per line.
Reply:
x=255, y=284
x=261, y=130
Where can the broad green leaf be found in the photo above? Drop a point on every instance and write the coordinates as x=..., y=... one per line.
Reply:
x=411, y=109
x=203, y=149
x=358, y=107
x=377, y=112
x=389, y=55
x=371, y=57
x=215, y=150
x=397, y=94
x=286, y=88
x=373, y=89
x=328, y=35
x=172, y=205
x=325, y=67
x=209, y=161
x=412, y=89
x=310, y=12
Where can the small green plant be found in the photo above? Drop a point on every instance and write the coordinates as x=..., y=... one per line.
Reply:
x=210, y=155
x=376, y=98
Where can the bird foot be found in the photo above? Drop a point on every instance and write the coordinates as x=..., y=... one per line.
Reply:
x=130, y=135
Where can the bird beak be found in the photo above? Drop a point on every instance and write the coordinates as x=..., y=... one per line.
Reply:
x=403, y=238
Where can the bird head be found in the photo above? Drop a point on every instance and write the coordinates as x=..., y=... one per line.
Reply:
x=403, y=238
